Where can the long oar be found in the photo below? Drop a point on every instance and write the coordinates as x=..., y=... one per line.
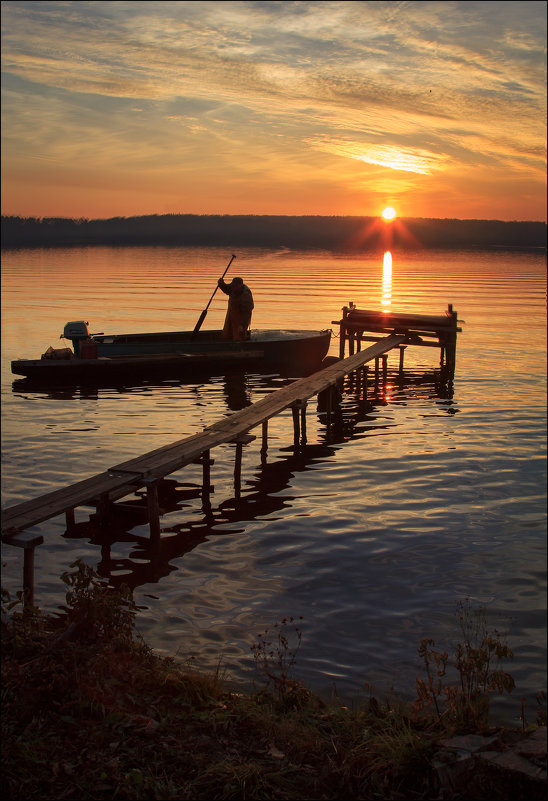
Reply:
x=203, y=314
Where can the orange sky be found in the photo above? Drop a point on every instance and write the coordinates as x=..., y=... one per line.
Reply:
x=126, y=108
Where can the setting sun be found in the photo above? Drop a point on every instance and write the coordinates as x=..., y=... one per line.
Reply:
x=389, y=213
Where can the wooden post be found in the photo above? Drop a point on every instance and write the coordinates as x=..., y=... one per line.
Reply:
x=264, y=442
x=295, y=413
x=384, y=367
x=303, y=423
x=102, y=508
x=450, y=356
x=376, y=374
x=451, y=346
x=329, y=409
x=351, y=343
x=28, y=542
x=206, y=463
x=240, y=441
x=153, y=508
x=402, y=351
x=365, y=372
x=342, y=340
x=70, y=519
x=206, y=472
x=28, y=577
x=238, y=470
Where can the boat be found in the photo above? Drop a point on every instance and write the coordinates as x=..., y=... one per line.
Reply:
x=98, y=357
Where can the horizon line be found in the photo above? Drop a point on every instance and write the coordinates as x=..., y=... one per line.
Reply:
x=289, y=216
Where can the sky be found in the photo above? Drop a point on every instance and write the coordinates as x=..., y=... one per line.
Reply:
x=437, y=109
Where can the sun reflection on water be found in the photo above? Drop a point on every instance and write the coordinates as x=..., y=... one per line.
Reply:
x=387, y=279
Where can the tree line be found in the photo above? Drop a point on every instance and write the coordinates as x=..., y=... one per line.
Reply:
x=271, y=231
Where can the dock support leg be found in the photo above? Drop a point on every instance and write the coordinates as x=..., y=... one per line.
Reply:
x=377, y=360
x=384, y=368
x=240, y=441
x=153, y=510
x=450, y=357
x=329, y=410
x=402, y=351
x=299, y=429
x=238, y=470
x=296, y=427
x=342, y=342
x=28, y=577
x=365, y=371
x=102, y=509
x=206, y=463
x=70, y=519
x=264, y=442
x=28, y=542
x=206, y=473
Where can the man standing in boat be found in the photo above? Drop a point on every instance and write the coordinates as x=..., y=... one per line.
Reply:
x=240, y=306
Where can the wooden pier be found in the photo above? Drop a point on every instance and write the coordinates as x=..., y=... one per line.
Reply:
x=357, y=326
x=144, y=472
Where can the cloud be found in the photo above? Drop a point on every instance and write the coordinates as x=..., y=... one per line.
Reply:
x=395, y=158
x=409, y=86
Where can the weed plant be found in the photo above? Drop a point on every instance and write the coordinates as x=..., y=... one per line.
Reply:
x=90, y=712
x=464, y=706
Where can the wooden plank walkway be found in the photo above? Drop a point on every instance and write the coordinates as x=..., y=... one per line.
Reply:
x=124, y=478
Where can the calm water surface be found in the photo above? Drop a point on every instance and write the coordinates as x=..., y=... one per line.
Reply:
x=422, y=498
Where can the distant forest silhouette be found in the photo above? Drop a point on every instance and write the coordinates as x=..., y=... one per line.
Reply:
x=271, y=231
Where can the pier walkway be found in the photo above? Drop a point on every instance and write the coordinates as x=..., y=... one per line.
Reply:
x=143, y=471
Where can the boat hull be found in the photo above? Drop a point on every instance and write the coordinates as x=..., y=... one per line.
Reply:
x=182, y=354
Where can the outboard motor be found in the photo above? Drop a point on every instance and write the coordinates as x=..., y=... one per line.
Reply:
x=76, y=331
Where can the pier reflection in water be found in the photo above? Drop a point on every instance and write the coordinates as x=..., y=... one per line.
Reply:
x=351, y=415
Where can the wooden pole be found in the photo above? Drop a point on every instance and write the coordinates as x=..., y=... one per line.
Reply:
x=364, y=382
x=342, y=339
x=28, y=542
x=264, y=441
x=295, y=413
x=303, y=423
x=240, y=441
x=206, y=476
x=28, y=577
x=402, y=351
x=102, y=508
x=153, y=508
x=238, y=470
x=384, y=367
x=351, y=343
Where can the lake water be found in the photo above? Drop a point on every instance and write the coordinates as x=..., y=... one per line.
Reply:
x=423, y=498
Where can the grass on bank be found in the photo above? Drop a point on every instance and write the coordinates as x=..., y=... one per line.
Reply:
x=90, y=712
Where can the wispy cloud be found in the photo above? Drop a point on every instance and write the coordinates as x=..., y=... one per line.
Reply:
x=273, y=88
